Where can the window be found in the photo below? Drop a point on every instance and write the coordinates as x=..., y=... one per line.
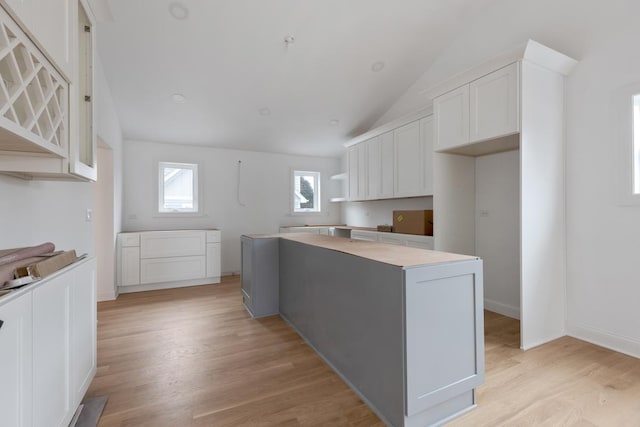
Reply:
x=178, y=187
x=636, y=144
x=306, y=191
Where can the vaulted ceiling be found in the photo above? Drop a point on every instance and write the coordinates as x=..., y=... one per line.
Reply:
x=220, y=73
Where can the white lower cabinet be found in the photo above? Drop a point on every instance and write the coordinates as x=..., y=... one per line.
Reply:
x=16, y=357
x=412, y=240
x=48, y=342
x=165, y=259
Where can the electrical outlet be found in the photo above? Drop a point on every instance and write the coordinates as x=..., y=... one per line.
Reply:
x=88, y=216
x=484, y=213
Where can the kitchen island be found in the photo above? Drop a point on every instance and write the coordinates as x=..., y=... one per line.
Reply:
x=402, y=326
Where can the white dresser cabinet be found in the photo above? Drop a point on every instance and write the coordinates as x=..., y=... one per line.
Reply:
x=48, y=342
x=166, y=259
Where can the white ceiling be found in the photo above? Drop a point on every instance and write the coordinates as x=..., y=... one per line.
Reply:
x=229, y=59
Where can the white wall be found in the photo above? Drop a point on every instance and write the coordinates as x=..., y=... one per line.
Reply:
x=602, y=237
x=39, y=211
x=498, y=230
x=380, y=212
x=265, y=189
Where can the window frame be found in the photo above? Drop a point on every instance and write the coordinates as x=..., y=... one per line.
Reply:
x=195, y=189
x=317, y=193
x=628, y=166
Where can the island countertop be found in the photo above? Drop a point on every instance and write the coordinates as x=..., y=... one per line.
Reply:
x=401, y=256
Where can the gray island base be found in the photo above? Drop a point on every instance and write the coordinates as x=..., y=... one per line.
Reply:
x=402, y=326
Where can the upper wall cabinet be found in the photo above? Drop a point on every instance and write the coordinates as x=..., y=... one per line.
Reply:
x=487, y=108
x=395, y=164
x=48, y=24
x=46, y=105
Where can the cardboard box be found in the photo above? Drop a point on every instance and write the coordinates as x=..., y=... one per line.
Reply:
x=48, y=265
x=413, y=222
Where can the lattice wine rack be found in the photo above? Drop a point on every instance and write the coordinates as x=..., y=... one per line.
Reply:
x=34, y=103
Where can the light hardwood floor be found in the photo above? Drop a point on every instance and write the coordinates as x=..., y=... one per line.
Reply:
x=194, y=357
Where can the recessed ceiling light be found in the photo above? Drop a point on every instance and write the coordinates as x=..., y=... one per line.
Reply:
x=334, y=122
x=289, y=40
x=178, y=98
x=178, y=10
x=264, y=111
x=377, y=66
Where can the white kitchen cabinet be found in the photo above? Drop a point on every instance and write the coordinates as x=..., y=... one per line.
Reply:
x=48, y=343
x=357, y=172
x=494, y=105
x=379, y=160
x=16, y=360
x=49, y=110
x=47, y=22
x=399, y=239
x=409, y=161
x=451, y=119
x=486, y=108
x=167, y=259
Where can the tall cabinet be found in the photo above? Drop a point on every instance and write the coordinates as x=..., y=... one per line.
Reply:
x=517, y=105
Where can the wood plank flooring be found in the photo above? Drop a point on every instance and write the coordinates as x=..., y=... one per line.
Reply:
x=194, y=357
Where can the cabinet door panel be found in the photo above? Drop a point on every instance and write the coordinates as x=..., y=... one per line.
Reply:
x=213, y=259
x=387, y=165
x=83, y=329
x=374, y=168
x=409, y=162
x=494, y=104
x=16, y=362
x=130, y=266
x=426, y=137
x=352, y=157
x=51, y=375
x=451, y=119
x=391, y=239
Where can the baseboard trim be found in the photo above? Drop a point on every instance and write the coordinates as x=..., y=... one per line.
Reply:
x=500, y=308
x=168, y=285
x=619, y=343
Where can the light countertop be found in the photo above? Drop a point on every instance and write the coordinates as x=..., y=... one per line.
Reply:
x=401, y=256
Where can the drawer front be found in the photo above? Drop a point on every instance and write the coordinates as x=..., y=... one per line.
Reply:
x=129, y=239
x=214, y=236
x=172, y=269
x=422, y=242
x=391, y=239
x=172, y=244
x=371, y=236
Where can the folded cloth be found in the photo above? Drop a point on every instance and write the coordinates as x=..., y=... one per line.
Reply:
x=12, y=255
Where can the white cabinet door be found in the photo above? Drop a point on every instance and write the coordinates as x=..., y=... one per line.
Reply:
x=426, y=137
x=83, y=325
x=357, y=172
x=213, y=259
x=373, y=156
x=51, y=375
x=409, y=161
x=421, y=242
x=16, y=363
x=451, y=119
x=379, y=159
x=494, y=104
x=130, y=266
x=48, y=22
